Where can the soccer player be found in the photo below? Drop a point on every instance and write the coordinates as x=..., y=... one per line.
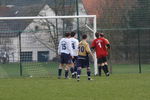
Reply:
x=83, y=57
x=66, y=55
x=101, y=46
x=75, y=44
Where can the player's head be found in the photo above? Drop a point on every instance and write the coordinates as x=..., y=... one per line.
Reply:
x=84, y=36
x=101, y=34
x=73, y=34
x=67, y=34
x=97, y=35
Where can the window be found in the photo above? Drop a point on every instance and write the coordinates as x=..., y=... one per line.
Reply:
x=43, y=56
x=26, y=56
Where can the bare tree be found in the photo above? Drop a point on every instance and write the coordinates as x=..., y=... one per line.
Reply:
x=49, y=31
x=46, y=34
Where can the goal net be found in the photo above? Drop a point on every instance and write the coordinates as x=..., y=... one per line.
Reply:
x=29, y=44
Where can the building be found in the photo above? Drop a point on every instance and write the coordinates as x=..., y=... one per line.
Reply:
x=36, y=45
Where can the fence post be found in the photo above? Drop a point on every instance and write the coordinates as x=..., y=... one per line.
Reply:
x=20, y=63
x=77, y=12
x=139, y=52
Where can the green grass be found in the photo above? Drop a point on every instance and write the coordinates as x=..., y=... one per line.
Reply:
x=45, y=69
x=130, y=68
x=9, y=70
x=40, y=68
x=115, y=87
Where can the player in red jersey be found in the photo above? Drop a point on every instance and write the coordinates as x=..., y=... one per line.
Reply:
x=101, y=46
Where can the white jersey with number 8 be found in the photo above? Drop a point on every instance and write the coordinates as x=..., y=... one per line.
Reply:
x=74, y=44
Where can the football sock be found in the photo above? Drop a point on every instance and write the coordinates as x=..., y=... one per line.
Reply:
x=75, y=69
x=59, y=72
x=88, y=73
x=105, y=68
x=78, y=78
x=99, y=70
x=72, y=69
x=78, y=72
x=66, y=73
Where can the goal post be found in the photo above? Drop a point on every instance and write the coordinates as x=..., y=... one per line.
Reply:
x=39, y=26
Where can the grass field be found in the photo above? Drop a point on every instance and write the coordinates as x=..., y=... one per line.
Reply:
x=124, y=84
x=115, y=87
x=41, y=69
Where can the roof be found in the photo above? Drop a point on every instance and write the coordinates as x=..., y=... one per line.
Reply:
x=101, y=7
x=15, y=8
x=12, y=27
x=91, y=6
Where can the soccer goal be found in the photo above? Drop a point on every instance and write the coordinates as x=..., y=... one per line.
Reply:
x=32, y=42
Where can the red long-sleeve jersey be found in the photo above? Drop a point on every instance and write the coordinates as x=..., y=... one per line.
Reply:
x=100, y=46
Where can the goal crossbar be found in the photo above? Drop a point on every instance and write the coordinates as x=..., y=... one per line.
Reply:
x=47, y=17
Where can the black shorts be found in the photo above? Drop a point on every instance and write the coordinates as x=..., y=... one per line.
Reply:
x=83, y=62
x=74, y=59
x=101, y=60
x=65, y=58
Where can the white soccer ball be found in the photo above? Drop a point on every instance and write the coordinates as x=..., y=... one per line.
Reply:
x=30, y=75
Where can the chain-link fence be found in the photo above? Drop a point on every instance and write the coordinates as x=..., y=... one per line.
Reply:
x=129, y=50
x=26, y=45
x=32, y=49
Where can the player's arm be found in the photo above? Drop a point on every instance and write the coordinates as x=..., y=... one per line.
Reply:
x=77, y=45
x=108, y=50
x=70, y=48
x=108, y=47
x=93, y=46
x=107, y=43
x=89, y=51
x=92, y=55
x=93, y=49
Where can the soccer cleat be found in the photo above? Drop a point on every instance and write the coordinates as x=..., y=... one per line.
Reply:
x=90, y=79
x=78, y=79
x=67, y=77
x=99, y=75
x=107, y=74
x=59, y=77
x=73, y=75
